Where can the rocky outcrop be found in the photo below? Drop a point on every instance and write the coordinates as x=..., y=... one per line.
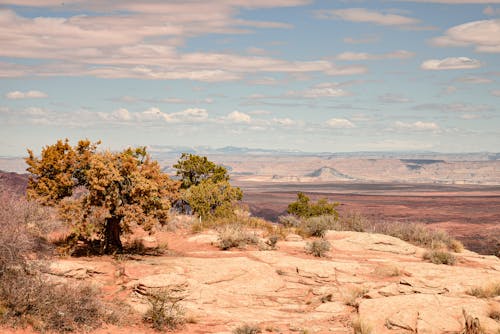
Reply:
x=287, y=290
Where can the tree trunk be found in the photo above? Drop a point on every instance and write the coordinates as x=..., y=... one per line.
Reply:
x=112, y=242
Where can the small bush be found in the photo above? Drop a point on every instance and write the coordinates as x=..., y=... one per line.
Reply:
x=387, y=271
x=235, y=235
x=164, y=311
x=351, y=295
x=317, y=226
x=318, y=248
x=487, y=291
x=440, y=257
x=247, y=329
x=289, y=221
x=269, y=244
x=456, y=246
x=361, y=327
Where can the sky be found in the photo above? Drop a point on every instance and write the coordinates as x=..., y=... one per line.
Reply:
x=315, y=76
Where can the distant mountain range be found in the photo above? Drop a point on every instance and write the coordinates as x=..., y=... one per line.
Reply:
x=167, y=151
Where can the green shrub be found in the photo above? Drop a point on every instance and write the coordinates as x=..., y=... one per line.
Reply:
x=303, y=208
x=440, y=257
x=318, y=248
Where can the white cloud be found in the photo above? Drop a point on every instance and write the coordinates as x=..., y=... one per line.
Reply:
x=154, y=114
x=452, y=63
x=470, y=116
x=367, y=16
x=284, y=121
x=35, y=111
x=362, y=40
x=394, y=98
x=454, y=107
x=32, y=94
x=122, y=114
x=474, y=80
x=354, y=56
x=347, y=70
x=319, y=91
x=495, y=92
x=124, y=46
x=339, y=123
x=238, y=117
x=483, y=35
x=417, y=126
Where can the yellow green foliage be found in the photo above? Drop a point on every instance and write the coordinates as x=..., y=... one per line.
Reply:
x=303, y=208
x=211, y=199
x=206, y=187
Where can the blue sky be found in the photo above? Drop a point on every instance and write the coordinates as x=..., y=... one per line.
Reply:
x=307, y=75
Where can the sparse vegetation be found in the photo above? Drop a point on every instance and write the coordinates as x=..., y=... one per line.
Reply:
x=350, y=295
x=489, y=290
x=26, y=296
x=235, y=235
x=303, y=208
x=494, y=312
x=318, y=248
x=361, y=327
x=440, y=257
x=247, y=329
x=164, y=311
x=419, y=235
x=387, y=271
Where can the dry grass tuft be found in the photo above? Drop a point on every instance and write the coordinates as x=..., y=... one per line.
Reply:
x=247, y=329
x=486, y=291
x=361, y=327
x=387, y=271
x=235, y=235
x=440, y=257
x=351, y=295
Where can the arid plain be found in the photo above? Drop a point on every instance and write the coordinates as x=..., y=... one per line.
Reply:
x=456, y=192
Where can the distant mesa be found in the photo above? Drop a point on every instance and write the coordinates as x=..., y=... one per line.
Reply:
x=328, y=173
x=417, y=164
